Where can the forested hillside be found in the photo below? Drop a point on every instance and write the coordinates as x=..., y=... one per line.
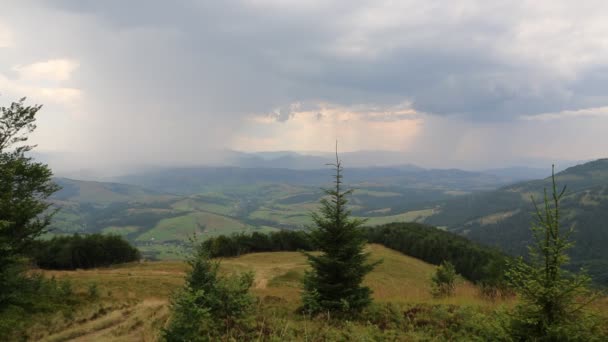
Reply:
x=502, y=217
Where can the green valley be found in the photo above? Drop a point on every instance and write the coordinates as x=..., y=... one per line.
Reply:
x=161, y=211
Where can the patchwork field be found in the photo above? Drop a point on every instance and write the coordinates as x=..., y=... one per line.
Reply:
x=160, y=225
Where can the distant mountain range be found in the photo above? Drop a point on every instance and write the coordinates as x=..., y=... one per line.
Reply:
x=283, y=160
x=317, y=160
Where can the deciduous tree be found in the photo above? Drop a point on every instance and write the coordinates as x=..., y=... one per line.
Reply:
x=443, y=281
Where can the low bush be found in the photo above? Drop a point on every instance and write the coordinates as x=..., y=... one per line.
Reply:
x=26, y=296
x=443, y=281
x=210, y=307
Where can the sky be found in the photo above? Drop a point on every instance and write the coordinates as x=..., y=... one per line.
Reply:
x=470, y=84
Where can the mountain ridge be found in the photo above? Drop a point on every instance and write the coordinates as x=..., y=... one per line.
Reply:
x=502, y=217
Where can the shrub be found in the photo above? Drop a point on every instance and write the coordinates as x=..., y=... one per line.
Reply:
x=33, y=295
x=443, y=281
x=210, y=306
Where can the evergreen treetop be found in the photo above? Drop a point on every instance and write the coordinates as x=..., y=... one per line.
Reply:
x=552, y=300
x=334, y=283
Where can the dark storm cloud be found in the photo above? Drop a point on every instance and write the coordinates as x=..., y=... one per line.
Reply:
x=164, y=80
x=266, y=56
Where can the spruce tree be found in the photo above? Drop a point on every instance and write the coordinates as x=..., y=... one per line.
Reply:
x=334, y=281
x=552, y=300
x=210, y=307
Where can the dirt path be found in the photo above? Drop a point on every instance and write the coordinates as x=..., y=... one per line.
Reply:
x=139, y=322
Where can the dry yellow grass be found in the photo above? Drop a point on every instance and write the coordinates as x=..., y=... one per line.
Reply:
x=496, y=217
x=128, y=321
x=129, y=281
x=410, y=216
x=134, y=298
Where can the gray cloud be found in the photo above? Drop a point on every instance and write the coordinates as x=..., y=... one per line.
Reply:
x=447, y=59
x=177, y=78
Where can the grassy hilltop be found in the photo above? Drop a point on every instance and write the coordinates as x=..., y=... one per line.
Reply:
x=133, y=298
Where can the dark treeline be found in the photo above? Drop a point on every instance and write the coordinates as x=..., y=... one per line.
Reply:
x=238, y=244
x=472, y=261
x=78, y=251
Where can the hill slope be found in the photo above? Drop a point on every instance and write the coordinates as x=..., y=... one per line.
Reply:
x=134, y=297
x=502, y=217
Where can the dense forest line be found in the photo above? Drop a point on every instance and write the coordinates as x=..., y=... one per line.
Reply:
x=78, y=251
x=474, y=262
x=238, y=244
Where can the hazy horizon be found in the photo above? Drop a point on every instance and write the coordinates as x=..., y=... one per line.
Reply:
x=297, y=160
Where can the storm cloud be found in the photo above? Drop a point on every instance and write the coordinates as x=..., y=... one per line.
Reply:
x=176, y=81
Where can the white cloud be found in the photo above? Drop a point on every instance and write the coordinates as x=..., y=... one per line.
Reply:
x=50, y=70
x=68, y=96
x=316, y=128
x=15, y=89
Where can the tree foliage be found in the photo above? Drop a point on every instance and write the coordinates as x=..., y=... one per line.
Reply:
x=209, y=307
x=480, y=264
x=443, y=282
x=88, y=251
x=24, y=215
x=334, y=282
x=24, y=186
x=24, y=183
x=238, y=244
x=552, y=300
x=585, y=205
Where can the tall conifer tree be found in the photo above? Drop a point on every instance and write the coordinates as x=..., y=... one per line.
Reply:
x=334, y=283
